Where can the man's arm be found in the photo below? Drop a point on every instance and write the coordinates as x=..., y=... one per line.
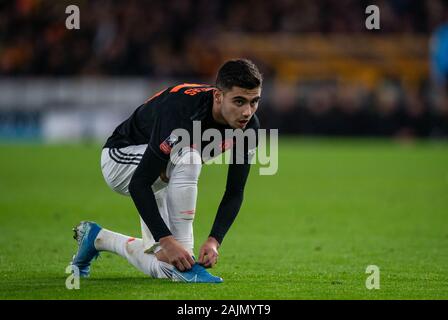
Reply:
x=231, y=201
x=144, y=176
x=141, y=192
x=227, y=212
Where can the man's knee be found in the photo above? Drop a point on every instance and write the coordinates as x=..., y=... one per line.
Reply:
x=188, y=165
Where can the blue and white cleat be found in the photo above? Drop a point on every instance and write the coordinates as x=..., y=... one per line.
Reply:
x=197, y=274
x=85, y=234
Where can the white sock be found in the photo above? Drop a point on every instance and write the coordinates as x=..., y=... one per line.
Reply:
x=132, y=249
x=182, y=195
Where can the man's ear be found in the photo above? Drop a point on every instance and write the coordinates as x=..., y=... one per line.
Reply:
x=218, y=95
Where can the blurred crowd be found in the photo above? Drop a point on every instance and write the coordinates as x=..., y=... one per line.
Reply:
x=389, y=110
x=153, y=38
x=158, y=38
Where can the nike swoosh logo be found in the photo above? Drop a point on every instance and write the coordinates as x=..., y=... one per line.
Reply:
x=193, y=279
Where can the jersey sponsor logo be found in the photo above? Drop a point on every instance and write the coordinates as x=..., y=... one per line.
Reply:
x=192, y=88
x=194, y=91
x=168, y=144
x=187, y=85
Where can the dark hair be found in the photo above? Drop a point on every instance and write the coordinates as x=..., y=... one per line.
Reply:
x=241, y=73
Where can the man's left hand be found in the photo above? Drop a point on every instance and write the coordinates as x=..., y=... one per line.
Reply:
x=208, y=255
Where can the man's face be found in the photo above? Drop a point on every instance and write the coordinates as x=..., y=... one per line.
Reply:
x=238, y=105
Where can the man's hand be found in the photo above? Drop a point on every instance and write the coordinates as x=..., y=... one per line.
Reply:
x=176, y=254
x=208, y=255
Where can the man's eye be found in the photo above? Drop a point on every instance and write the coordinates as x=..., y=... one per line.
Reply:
x=239, y=102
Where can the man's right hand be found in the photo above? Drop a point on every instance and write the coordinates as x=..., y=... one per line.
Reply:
x=176, y=254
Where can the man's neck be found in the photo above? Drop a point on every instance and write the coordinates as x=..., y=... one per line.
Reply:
x=216, y=114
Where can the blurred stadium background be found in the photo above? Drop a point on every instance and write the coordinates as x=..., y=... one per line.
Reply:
x=326, y=74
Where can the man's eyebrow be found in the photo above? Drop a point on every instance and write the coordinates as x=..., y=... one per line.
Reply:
x=244, y=98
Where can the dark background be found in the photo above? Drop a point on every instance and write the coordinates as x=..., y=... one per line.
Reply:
x=326, y=74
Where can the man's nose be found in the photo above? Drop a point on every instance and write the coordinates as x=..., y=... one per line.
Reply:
x=247, y=112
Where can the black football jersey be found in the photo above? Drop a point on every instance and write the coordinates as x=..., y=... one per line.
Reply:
x=177, y=107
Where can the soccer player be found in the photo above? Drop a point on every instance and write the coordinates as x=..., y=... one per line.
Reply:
x=138, y=160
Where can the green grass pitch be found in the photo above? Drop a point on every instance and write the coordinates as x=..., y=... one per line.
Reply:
x=309, y=232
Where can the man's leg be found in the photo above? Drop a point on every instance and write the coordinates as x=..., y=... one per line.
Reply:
x=92, y=238
x=117, y=176
x=182, y=195
x=140, y=252
x=177, y=206
x=132, y=249
x=183, y=174
x=177, y=202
